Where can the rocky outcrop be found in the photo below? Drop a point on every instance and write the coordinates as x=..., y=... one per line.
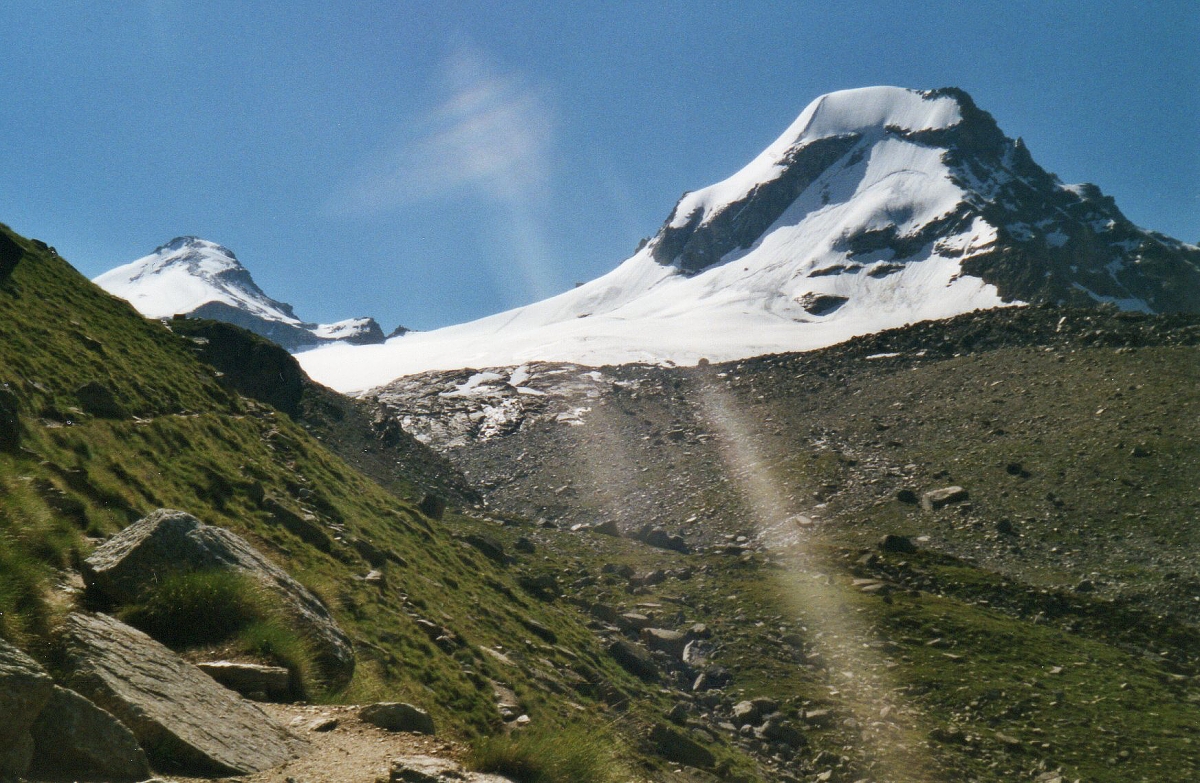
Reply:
x=182, y=717
x=24, y=690
x=127, y=566
x=75, y=739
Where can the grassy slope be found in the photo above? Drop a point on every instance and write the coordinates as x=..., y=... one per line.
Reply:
x=189, y=444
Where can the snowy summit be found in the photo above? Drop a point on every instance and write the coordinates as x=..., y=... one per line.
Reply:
x=201, y=279
x=876, y=208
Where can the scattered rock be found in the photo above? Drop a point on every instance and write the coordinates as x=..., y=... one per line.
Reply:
x=397, y=716
x=252, y=680
x=673, y=745
x=322, y=725
x=128, y=565
x=898, y=544
x=607, y=528
x=634, y=659
x=940, y=498
x=24, y=690
x=74, y=738
x=183, y=717
x=776, y=729
x=663, y=640
x=660, y=538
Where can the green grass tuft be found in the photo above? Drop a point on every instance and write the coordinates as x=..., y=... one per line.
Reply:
x=568, y=756
x=202, y=607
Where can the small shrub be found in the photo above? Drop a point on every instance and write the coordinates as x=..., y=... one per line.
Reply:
x=569, y=756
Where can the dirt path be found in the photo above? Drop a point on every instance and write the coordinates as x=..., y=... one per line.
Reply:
x=351, y=752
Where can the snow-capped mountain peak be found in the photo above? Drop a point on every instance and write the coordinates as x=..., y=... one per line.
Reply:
x=876, y=208
x=196, y=277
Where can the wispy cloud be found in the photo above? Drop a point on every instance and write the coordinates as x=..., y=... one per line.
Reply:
x=490, y=137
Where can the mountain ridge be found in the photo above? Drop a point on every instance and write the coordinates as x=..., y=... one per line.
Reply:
x=876, y=208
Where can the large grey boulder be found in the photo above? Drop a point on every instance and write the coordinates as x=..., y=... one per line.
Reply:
x=75, y=739
x=180, y=716
x=126, y=567
x=397, y=716
x=24, y=690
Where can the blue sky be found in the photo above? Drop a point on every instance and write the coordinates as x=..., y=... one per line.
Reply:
x=428, y=163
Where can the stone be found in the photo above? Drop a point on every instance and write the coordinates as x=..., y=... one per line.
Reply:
x=98, y=400
x=179, y=714
x=898, y=544
x=633, y=659
x=607, y=528
x=776, y=729
x=673, y=745
x=660, y=538
x=397, y=716
x=744, y=714
x=74, y=738
x=250, y=679
x=663, y=640
x=695, y=653
x=940, y=498
x=25, y=687
x=633, y=620
x=127, y=566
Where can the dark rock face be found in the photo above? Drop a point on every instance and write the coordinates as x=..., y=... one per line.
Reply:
x=10, y=421
x=695, y=246
x=180, y=716
x=1054, y=243
x=74, y=738
x=252, y=366
x=98, y=400
x=24, y=690
x=126, y=566
x=11, y=254
x=397, y=716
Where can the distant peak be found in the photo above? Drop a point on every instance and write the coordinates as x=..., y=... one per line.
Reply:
x=193, y=243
